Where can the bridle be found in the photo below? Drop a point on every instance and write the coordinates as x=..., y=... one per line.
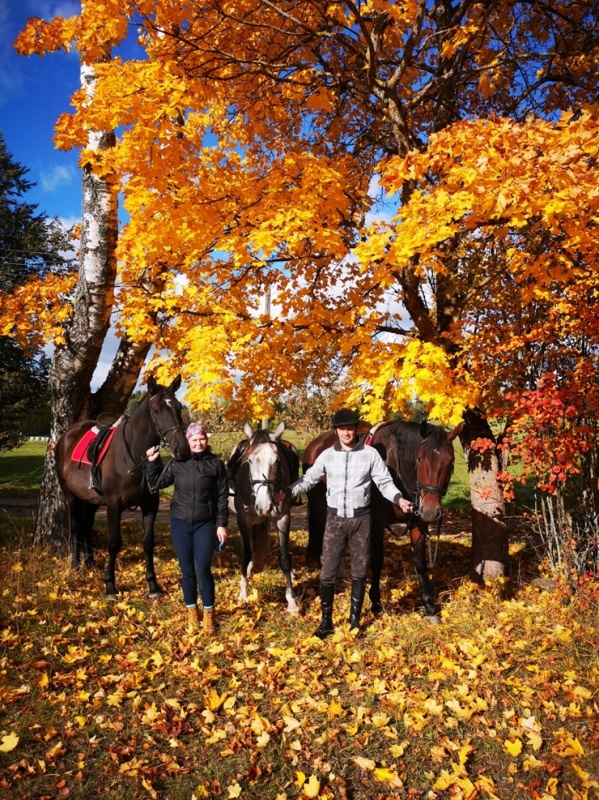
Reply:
x=256, y=483
x=163, y=434
x=423, y=489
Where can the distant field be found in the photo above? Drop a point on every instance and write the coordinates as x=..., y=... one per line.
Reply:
x=21, y=469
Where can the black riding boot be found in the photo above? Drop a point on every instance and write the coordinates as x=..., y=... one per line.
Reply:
x=327, y=594
x=358, y=588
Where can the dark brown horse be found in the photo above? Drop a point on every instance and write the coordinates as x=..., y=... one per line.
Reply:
x=259, y=467
x=122, y=484
x=420, y=459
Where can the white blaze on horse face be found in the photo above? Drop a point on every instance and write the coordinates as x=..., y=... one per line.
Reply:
x=263, y=474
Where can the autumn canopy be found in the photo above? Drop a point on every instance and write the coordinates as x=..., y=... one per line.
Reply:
x=404, y=193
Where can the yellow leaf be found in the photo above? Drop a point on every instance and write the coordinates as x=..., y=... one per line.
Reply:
x=312, y=787
x=513, y=748
x=263, y=739
x=300, y=779
x=234, y=790
x=364, y=763
x=387, y=776
x=9, y=742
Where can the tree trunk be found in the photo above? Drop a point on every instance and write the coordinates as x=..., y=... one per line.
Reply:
x=74, y=363
x=490, y=543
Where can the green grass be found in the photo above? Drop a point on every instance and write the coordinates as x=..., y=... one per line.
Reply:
x=21, y=468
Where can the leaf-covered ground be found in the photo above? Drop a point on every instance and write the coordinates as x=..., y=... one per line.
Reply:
x=113, y=699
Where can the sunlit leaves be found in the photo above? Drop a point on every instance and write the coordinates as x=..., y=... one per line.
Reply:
x=498, y=695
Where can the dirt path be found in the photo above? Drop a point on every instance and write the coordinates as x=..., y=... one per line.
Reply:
x=26, y=506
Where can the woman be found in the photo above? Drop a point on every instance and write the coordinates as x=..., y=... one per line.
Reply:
x=199, y=518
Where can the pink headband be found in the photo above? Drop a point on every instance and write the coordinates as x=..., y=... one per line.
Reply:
x=195, y=429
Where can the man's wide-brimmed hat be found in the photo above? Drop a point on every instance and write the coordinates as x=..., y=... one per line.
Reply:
x=345, y=416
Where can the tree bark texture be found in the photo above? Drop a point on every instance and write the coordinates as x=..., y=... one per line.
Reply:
x=74, y=363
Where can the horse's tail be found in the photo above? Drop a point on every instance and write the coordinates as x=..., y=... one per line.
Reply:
x=260, y=543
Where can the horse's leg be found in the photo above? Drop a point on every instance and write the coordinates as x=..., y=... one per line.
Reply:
x=245, y=532
x=85, y=534
x=75, y=508
x=376, y=563
x=283, y=524
x=149, y=511
x=113, y=513
x=418, y=535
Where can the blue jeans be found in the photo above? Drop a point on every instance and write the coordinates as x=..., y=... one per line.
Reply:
x=194, y=545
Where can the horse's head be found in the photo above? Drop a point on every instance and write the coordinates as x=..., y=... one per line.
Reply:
x=262, y=458
x=165, y=413
x=434, y=467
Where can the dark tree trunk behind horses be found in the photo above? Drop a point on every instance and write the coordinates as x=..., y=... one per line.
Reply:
x=490, y=537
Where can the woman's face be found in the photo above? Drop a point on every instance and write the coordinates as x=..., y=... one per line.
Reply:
x=198, y=443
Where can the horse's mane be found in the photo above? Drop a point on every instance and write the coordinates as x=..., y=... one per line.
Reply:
x=261, y=436
x=409, y=438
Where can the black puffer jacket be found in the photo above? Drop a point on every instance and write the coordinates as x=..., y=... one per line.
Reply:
x=201, y=488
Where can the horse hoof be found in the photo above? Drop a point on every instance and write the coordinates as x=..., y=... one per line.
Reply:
x=434, y=619
x=377, y=609
x=156, y=595
x=293, y=610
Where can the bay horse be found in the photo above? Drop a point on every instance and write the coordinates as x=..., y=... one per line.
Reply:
x=156, y=419
x=260, y=466
x=420, y=458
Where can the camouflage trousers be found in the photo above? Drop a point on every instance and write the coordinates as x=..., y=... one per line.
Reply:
x=339, y=533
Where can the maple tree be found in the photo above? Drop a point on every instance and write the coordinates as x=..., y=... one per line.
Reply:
x=254, y=143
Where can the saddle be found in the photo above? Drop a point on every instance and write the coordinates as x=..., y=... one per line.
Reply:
x=91, y=449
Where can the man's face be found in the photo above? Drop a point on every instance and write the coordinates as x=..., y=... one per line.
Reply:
x=347, y=435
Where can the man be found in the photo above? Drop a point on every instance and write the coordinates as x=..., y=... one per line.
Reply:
x=350, y=467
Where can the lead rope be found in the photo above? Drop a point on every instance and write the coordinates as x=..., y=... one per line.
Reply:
x=431, y=559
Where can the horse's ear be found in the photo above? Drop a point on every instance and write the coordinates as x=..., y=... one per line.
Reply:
x=248, y=430
x=175, y=384
x=455, y=432
x=425, y=429
x=279, y=431
x=151, y=384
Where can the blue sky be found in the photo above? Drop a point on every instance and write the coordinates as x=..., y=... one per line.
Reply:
x=33, y=92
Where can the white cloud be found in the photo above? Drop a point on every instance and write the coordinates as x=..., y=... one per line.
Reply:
x=48, y=9
x=56, y=177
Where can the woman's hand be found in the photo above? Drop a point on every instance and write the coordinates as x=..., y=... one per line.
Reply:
x=152, y=453
x=221, y=534
x=279, y=497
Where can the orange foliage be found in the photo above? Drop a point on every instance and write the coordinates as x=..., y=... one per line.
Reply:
x=248, y=169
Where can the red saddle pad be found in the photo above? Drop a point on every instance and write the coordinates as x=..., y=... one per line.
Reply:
x=82, y=446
